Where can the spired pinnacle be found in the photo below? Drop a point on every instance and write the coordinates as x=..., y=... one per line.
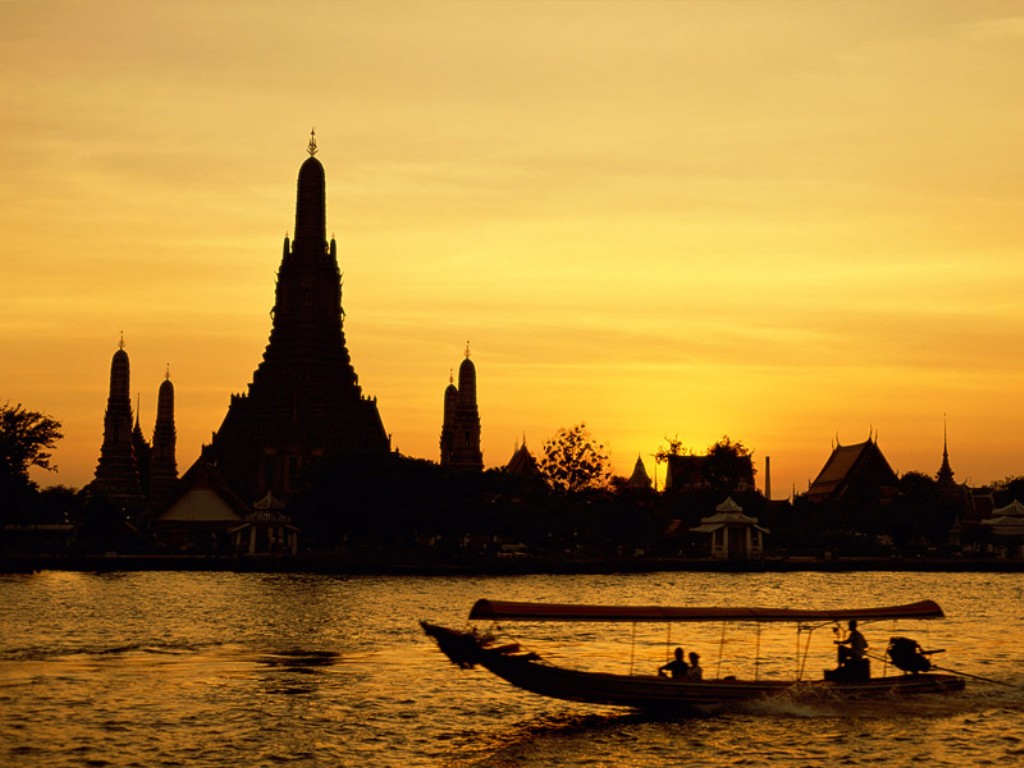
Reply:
x=311, y=147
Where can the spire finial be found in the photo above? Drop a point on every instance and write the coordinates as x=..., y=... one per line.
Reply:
x=167, y=373
x=451, y=376
x=120, y=344
x=467, y=349
x=311, y=147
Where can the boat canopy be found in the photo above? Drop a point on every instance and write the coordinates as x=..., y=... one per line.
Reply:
x=512, y=611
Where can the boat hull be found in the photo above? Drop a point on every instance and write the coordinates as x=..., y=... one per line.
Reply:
x=649, y=692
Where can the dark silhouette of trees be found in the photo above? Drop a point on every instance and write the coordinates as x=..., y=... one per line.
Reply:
x=1010, y=488
x=573, y=461
x=729, y=467
x=921, y=514
x=674, y=447
x=26, y=440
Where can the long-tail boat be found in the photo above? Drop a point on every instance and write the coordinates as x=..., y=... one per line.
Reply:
x=526, y=670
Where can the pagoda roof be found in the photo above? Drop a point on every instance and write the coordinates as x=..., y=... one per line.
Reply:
x=639, y=478
x=523, y=463
x=1013, y=509
x=844, y=463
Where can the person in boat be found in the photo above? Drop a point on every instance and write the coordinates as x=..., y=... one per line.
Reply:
x=853, y=647
x=677, y=668
x=695, y=672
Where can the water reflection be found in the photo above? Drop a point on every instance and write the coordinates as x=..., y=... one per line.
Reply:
x=222, y=669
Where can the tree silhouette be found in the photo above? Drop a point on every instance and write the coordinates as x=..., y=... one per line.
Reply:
x=729, y=466
x=573, y=461
x=26, y=439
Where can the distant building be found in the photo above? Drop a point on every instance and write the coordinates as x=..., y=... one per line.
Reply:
x=1007, y=527
x=132, y=474
x=460, y=428
x=117, y=473
x=304, y=401
x=206, y=517
x=944, y=476
x=202, y=513
x=733, y=535
x=855, y=473
x=959, y=496
x=639, y=478
x=522, y=463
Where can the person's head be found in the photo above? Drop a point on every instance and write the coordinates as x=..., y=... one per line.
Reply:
x=852, y=624
x=694, y=658
x=679, y=654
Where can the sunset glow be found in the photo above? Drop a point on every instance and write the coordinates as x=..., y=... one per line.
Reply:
x=784, y=222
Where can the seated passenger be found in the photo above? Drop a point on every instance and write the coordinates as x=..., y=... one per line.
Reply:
x=695, y=672
x=676, y=668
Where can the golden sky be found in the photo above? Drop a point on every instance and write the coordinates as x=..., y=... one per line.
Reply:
x=781, y=221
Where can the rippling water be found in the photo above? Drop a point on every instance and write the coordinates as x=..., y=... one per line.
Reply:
x=214, y=669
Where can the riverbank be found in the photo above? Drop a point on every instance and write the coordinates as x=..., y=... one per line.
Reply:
x=333, y=564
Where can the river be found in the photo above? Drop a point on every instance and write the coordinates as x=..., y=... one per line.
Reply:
x=224, y=669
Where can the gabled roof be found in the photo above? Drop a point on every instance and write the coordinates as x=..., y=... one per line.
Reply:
x=208, y=494
x=845, y=463
x=1013, y=509
x=498, y=610
x=522, y=463
x=728, y=506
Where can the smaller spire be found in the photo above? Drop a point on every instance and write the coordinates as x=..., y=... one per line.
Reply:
x=311, y=147
x=945, y=473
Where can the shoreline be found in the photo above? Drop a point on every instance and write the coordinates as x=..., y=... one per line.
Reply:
x=339, y=565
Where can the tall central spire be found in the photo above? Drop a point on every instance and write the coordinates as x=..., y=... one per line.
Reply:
x=304, y=401
x=311, y=203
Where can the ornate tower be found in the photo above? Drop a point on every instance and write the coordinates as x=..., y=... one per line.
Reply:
x=945, y=473
x=304, y=400
x=163, y=466
x=460, y=433
x=117, y=474
x=451, y=402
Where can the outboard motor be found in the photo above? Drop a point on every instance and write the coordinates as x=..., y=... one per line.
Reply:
x=906, y=654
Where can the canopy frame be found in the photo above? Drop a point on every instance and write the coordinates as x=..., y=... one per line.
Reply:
x=503, y=610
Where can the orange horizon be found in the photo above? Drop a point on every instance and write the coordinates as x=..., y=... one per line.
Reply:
x=777, y=221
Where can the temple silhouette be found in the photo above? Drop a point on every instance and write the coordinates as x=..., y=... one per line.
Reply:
x=460, y=430
x=304, y=401
x=132, y=473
